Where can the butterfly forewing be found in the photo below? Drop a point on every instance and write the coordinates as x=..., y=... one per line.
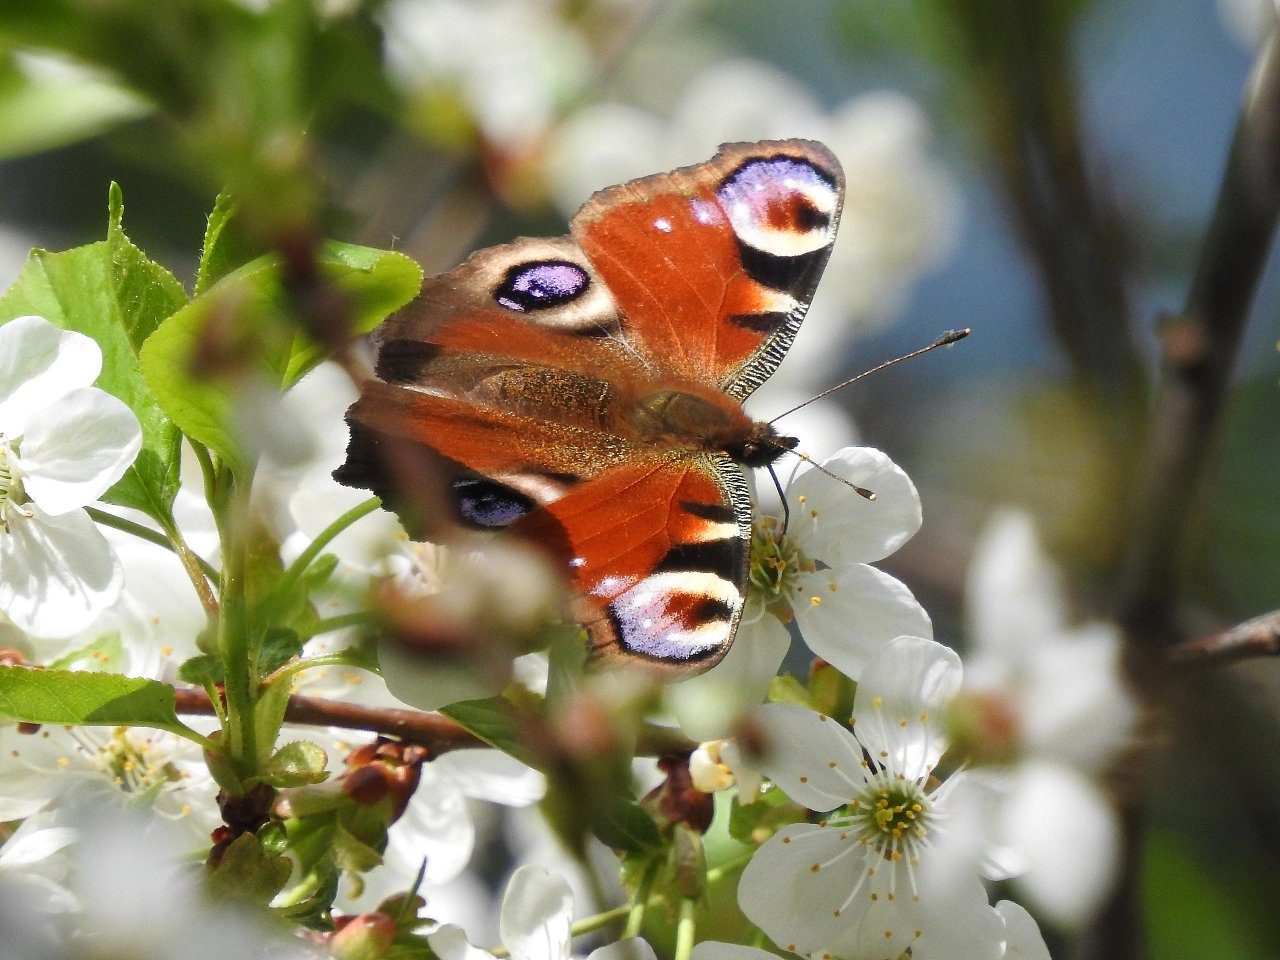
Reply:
x=713, y=266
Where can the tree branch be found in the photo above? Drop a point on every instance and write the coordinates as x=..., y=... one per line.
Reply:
x=1200, y=349
x=437, y=733
x=1259, y=637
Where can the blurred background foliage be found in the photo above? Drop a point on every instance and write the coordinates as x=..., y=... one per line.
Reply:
x=1058, y=162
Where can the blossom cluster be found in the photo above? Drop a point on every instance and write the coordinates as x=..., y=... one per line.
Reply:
x=898, y=835
x=243, y=713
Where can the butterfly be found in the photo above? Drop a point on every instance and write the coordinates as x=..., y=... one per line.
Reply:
x=585, y=392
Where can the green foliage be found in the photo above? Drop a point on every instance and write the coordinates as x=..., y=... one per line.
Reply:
x=295, y=764
x=96, y=699
x=625, y=826
x=224, y=248
x=199, y=361
x=496, y=722
x=1195, y=911
x=757, y=821
x=249, y=872
x=105, y=654
x=43, y=109
x=246, y=91
x=112, y=292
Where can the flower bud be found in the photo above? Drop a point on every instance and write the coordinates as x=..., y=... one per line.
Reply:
x=366, y=937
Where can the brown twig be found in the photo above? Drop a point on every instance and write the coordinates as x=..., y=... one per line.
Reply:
x=438, y=734
x=1259, y=637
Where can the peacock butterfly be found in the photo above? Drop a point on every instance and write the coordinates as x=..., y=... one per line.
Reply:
x=585, y=391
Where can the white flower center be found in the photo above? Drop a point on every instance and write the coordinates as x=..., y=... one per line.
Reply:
x=11, y=492
x=776, y=563
x=892, y=816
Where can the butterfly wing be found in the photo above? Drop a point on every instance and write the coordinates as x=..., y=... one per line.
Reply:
x=510, y=373
x=713, y=266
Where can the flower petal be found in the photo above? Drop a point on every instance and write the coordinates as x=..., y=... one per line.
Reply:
x=40, y=364
x=962, y=925
x=435, y=825
x=847, y=614
x=74, y=451
x=450, y=943
x=1023, y=940
x=632, y=948
x=835, y=525
x=884, y=932
x=56, y=573
x=1014, y=597
x=805, y=887
x=811, y=757
x=492, y=775
x=537, y=910
x=707, y=705
x=1064, y=827
x=902, y=696
x=714, y=950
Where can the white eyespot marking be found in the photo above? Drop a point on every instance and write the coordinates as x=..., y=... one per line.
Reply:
x=663, y=224
x=676, y=615
x=577, y=562
x=706, y=213
x=781, y=205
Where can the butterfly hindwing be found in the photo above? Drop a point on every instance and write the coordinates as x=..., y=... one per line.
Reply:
x=658, y=553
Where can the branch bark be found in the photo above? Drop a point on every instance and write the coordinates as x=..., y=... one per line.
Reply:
x=1199, y=354
x=438, y=734
x=1259, y=637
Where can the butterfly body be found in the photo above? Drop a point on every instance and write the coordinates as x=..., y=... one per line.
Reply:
x=585, y=392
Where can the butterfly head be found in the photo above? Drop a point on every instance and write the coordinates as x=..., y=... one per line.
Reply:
x=762, y=446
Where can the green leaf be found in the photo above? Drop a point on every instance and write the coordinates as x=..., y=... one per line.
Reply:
x=279, y=646
x=96, y=699
x=203, y=670
x=111, y=292
x=225, y=249
x=757, y=821
x=376, y=284
x=785, y=688
x=624, y=825
x=249, y=309
x=102, y=655
x=44, y=109
x=203, y=407
x=496, y=722
x=295, y=764
x=248, y=872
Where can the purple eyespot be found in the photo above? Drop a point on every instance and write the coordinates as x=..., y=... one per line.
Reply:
x=541, y=285
x=489, y=505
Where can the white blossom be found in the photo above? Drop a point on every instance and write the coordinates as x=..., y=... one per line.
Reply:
x=537, y=912
x=819, y=572
x=1022, y=940
x=63, y=443
x=863, y=883
x=1048, y=701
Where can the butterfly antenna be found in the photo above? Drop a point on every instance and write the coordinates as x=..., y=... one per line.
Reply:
x=860, y=491
x=950, y=337
x=782, y=495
